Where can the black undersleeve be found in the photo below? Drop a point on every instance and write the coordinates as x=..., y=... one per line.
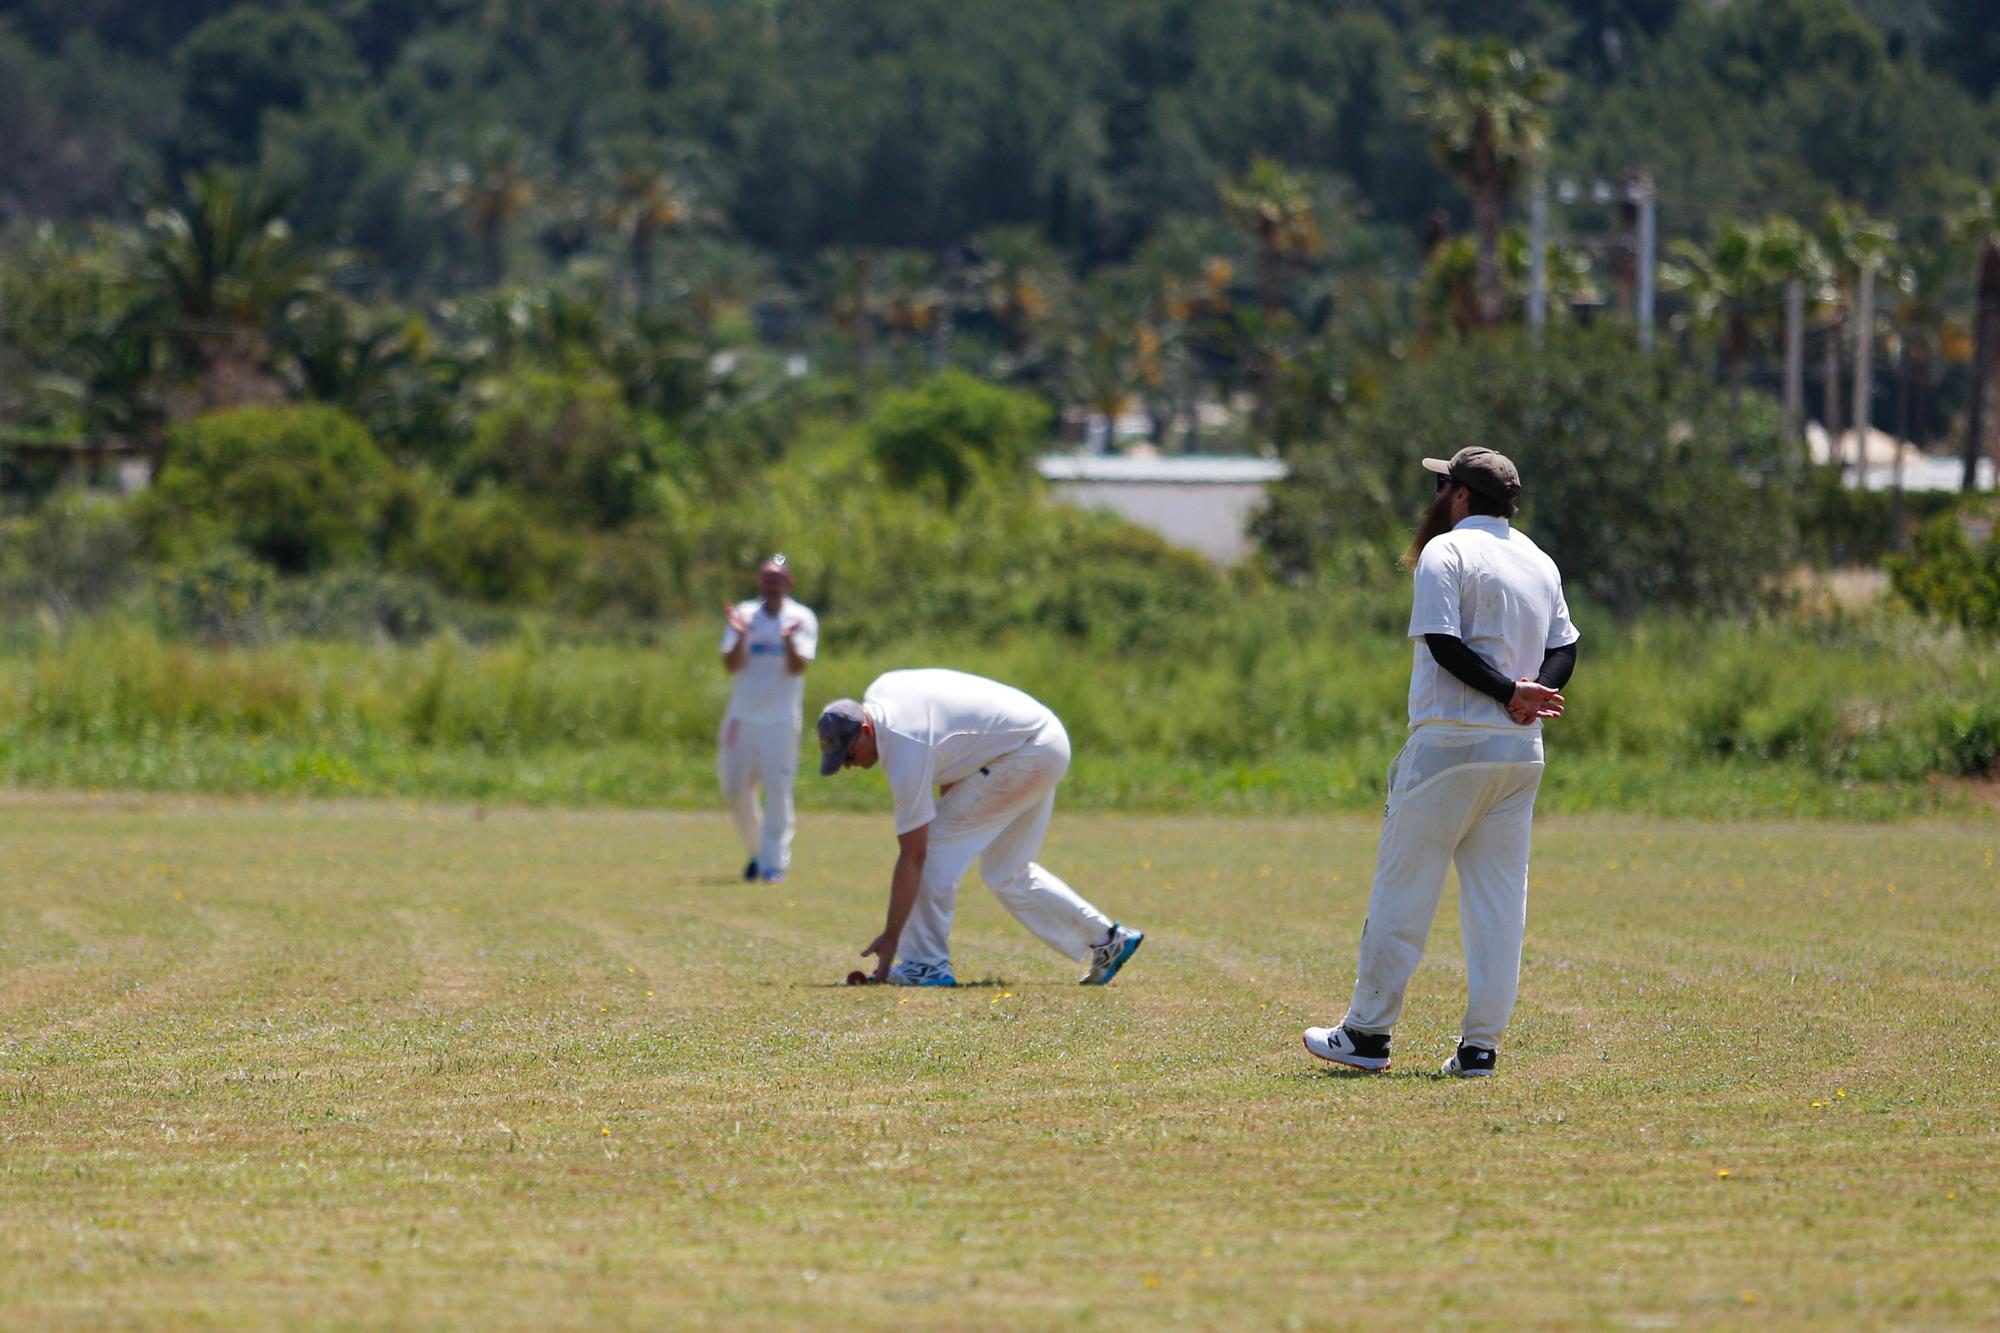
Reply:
x=1456, y=656
x=1557, y=664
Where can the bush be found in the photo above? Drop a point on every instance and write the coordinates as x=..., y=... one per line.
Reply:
x=1953, y=569
x=224, y=596
x=1639, y=480
x=570, y=443
x=299, y=488
x=73, y=555
x=953, y=429
x=488, y=547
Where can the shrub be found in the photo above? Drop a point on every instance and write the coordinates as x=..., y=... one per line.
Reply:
x=224, y=596
x=299, y=488
x=952, y=429
x=1639, y=479
x=76, y=553
x=488, y=547
x=1953, y=569
x=571, y=444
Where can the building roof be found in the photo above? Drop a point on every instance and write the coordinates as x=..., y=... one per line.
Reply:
x=1186, y=469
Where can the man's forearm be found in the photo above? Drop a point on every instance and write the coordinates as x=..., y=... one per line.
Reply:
x=732, y=660
x=903, y=884
x=1456, y=656
x=1557, y=664
x=795, y=663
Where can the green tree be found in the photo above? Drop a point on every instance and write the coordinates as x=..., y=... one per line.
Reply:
x=1486, y=108
x=1640, y=480
x=216, y=268
x=244, y=64
x=485, y=191
x=1978, y=229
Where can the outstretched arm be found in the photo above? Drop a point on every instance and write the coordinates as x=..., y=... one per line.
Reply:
x=913, y=848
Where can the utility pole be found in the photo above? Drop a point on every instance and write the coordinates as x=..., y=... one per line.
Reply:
x=1864, y=350
x=1795, y=369
x=1538, y=258
x=1649, y=241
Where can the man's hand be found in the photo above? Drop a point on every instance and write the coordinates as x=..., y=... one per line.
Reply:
x=1533, y=701
x=883, y=950
x=737, y=620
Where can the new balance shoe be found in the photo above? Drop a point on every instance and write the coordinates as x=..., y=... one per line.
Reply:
x=922, y=974
x=1366, y=1051
x=1470, y=1062
x=1114, y=953
x=750, y=871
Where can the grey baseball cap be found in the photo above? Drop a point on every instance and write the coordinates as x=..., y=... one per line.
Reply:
x=839, y=724
x=1491, y=474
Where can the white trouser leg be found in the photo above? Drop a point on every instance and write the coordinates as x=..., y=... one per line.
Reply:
x=999, y=818
x=1421, y=834
x=1493, y=909
x=777, y=747
x=736, y=765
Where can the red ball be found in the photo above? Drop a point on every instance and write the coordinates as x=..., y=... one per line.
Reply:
x=857, y=978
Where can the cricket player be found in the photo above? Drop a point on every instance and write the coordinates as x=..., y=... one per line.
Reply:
x=973, y=767
x=767, y=645
x=1494, y=648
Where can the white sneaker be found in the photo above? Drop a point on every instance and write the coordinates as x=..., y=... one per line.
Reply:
x=1366, y=1051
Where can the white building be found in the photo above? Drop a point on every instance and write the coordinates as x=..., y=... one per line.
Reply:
x=1204, y=503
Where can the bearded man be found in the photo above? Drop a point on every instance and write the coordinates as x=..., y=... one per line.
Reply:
x=1494, y=648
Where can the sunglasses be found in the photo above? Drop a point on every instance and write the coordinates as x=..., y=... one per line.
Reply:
x=1444, y=482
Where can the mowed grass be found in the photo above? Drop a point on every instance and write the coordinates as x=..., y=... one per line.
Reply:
x=279, y=1064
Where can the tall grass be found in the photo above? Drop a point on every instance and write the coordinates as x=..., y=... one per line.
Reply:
x=1295, y=694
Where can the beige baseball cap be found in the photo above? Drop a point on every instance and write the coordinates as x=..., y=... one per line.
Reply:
x=1491, y=474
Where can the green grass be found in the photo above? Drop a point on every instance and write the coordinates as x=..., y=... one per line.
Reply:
x=291, y=1063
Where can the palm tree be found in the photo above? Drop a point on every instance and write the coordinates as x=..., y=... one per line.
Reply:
x=1486, y=107
x=485, y=192
x=1850, y=244
x=1020, y=281
x=1734, y=286
x=645, y=194
x=1978, y=228
x=1920, y=327
x=217, y=266
x=1275, y=208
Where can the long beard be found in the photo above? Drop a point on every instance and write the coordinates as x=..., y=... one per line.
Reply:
x=1435, y=523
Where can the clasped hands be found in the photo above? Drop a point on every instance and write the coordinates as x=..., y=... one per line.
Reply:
x=1533, y=701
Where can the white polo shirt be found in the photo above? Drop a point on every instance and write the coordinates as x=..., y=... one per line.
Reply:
x=935, y=727
x=1491, y=586
x=764, y=691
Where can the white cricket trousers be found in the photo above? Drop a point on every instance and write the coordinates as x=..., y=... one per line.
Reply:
x=998, y=816
x=767, y=753
x=1457, y=795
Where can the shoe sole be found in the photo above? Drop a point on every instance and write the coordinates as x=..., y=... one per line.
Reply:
x=1132, y=944
x=1466, y=1073
x=1382, y=1068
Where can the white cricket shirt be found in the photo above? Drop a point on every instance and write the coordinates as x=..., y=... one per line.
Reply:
x=935, y=727
x=764, y=691
x=1491, y=586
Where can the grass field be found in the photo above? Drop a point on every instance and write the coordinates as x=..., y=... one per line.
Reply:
x=278, y=1063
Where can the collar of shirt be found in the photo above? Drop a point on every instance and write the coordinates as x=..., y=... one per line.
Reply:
x=1482, y=522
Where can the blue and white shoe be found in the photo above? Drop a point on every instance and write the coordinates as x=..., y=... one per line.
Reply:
x=922, y=974
x=774, y=877
x=1108, y=957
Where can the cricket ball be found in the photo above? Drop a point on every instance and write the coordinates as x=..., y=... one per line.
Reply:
x=857, y=978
